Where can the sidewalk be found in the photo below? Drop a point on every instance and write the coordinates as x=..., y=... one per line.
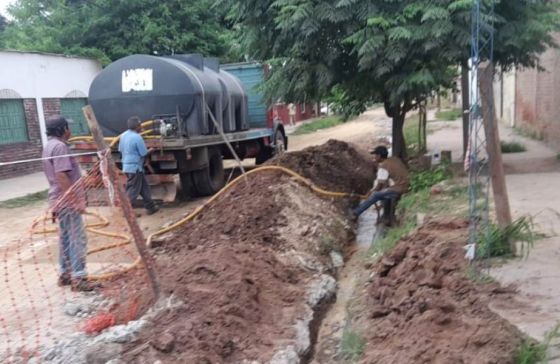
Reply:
x=532, y=178
x=21, y=186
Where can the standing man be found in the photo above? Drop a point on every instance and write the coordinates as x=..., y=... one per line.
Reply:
x=62, y=171
x=133, y=151
x=292, y=113
x=391, y=182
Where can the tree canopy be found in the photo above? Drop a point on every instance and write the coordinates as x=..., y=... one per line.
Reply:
x=397, y=52
x=110, y=29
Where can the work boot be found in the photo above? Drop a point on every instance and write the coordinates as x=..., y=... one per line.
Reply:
x=83, y=285
x=153, y=210
x=64, y=280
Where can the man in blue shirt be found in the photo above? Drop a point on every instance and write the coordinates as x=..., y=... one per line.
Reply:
x=133, y=151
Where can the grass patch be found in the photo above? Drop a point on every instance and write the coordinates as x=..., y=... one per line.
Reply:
x=352, y=345
x=425, y=179
x=449, y=115
x=392, y=237
x=531, y=352
x=322, y=123
x=512, y=147
x=498, y=241
x=24, y=200
x=531, y=134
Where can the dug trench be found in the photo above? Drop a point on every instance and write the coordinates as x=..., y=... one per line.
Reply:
x=256, y=270
x=253, y=276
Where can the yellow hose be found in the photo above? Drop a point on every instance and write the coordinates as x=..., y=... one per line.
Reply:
x=126, y=240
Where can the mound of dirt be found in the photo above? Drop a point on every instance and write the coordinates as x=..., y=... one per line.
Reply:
x=335, y=165
x=422, y=307
x=244, y=267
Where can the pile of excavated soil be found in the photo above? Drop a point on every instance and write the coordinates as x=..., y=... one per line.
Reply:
x=243, y=269
x=422, y=307
x=335, y=165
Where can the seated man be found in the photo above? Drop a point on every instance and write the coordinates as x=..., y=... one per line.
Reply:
x=392, y=180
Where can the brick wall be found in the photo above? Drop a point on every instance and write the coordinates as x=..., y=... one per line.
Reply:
x=25, y=150
x=51, y=107
x=537, y=101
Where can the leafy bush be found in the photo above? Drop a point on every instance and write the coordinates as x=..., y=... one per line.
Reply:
x=498, y=241
x=425, y=179
x=343, y=104
x=512, y=147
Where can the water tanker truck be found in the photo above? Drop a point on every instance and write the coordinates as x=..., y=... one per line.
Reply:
x=191, y=107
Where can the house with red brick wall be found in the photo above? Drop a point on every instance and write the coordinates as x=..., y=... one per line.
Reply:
x=529, y=99
x=34, y=86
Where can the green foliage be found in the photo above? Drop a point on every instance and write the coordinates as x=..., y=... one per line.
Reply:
x=322, y=123
x=343, y=104
x=512, y=147
x=392, y=237
x=395, y=52
x=422, y=180
x=411, y=135
x=530, y=353
x=352, y=345
x=497, y=241
x=24, y=200
x=111, y=29
x=449, y=115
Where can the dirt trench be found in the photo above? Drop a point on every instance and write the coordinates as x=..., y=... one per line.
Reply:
x=256, y=271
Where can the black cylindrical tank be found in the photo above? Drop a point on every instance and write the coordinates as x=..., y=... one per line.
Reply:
x=157, y=87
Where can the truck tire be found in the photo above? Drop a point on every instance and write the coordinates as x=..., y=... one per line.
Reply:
x=264, y=154
x=187, y=185
x=210, y=180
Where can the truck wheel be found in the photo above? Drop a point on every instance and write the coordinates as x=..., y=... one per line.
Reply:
x=264, y=154
x=210, y=180
x=187, y=185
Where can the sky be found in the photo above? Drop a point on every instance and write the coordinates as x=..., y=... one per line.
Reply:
x=3, y=5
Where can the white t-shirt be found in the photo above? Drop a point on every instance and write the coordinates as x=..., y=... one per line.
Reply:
x=383, y=175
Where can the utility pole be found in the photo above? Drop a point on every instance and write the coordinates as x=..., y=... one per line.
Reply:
x=497, y=175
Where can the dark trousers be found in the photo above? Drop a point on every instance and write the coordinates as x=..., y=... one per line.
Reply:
x=136, y=184
x=373, y=198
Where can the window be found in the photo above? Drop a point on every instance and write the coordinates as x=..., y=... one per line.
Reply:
x=72, y=109
x=13, y=125
x=303, y=108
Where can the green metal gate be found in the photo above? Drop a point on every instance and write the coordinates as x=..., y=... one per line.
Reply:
x=72, y=109
x=13, y=125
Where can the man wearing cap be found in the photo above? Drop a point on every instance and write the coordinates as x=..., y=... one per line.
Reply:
x=133, y=151
x=391, y=182
x=62, y=171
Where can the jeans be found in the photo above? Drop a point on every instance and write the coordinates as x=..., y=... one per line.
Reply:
x=73, y=243
x=136, y=184
x=373, y=198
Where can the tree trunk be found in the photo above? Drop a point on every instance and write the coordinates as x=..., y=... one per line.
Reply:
x=466, y=104
x=501, y=201
x=399, y=144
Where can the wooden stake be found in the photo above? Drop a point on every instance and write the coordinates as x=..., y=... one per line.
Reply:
x=129, y=215
x=503, y=213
